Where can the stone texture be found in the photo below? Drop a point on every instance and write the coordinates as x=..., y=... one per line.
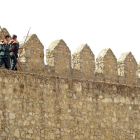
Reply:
x=61, y=103
x=51, y=107
x=16, y=133
x=83, y=60
x=127, y=69
x=32, y=56
x=12, y=116
x=59, y=56
x=106, y=64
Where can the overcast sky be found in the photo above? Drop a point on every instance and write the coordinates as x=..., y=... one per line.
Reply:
x=101, y=24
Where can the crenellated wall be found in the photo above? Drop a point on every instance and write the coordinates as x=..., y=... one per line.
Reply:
x=70, y=98
x=58, y=58
x=81, y=65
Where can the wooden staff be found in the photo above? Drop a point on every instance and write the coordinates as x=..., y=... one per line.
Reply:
x=24, y=41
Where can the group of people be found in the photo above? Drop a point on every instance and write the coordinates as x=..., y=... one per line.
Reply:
x=9, y=52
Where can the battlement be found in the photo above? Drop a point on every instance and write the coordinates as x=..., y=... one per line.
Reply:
x=73, y=97
x=81, y=65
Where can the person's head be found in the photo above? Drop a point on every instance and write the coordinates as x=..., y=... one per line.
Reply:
x=7, y=37
x=14, y=37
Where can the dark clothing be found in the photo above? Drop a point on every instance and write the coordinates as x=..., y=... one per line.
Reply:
x=4, y=51
x=13, y=63
x=5, y=61
x=13, y=54
x=4, y=55
x=15, y=48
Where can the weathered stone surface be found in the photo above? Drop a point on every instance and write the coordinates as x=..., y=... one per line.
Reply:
x=61, y=103
x=83, y=60
x=3, y=134
x=32, y=56
x=16, y=133
x=52, y=107
x=106, y=64
x=59, y=56
x=127, y=69
x=12, y=116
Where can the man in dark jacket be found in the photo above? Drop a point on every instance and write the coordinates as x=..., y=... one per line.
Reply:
x=14, y=52
x=4, y=52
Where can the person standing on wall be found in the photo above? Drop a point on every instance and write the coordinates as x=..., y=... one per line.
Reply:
x=14, y=52
x=4, y=52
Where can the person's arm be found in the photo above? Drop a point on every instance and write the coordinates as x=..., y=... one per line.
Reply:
x=2, y=42
x=20, y=48
x=15, y=42
x=17, y=46
x=10, y=42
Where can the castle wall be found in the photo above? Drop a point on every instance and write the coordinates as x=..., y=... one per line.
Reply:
x=57, y=108
x=82, y=100
x=81, y=65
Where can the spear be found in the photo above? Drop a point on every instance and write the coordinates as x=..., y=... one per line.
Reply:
x=24, y=42
x=12, y=50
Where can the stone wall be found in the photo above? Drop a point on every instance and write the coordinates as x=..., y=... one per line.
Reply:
x=81, y=65
x=82, y=100
x=83, y=60
x=32, y=56
x=35, y=107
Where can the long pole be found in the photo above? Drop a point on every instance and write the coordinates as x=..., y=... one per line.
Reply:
x=24, y=43
x=12, y=50
x=25, y=40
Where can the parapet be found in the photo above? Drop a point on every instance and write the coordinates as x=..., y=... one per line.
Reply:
x=83, y=66
x=106, y=64
x=84, y=61
x=127, y=69
x=59, y=56
x=32, y=56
